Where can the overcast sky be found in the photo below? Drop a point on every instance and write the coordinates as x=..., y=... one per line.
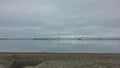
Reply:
x=42, y=18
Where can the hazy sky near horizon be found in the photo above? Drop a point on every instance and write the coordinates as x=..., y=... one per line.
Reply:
x=41, y=18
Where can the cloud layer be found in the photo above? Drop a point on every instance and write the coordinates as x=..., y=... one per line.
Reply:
x=39, y=18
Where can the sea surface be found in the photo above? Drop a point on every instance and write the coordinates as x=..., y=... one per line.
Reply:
x=61, y=46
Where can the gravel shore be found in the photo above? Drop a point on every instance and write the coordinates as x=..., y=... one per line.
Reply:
x=59, y=60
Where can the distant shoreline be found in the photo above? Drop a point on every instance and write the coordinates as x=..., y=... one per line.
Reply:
x=85, y=38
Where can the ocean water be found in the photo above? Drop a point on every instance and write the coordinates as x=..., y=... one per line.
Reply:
x=61, y=46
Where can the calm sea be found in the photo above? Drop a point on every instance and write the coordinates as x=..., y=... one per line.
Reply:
x=77, y=46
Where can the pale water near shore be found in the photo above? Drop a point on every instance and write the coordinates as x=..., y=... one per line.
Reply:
x=79, y=46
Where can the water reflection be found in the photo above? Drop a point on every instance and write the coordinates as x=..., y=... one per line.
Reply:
x=80, y=46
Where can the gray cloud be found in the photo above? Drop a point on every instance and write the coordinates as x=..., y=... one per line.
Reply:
x=28, y=18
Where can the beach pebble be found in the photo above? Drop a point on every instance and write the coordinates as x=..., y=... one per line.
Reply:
x=2, y=66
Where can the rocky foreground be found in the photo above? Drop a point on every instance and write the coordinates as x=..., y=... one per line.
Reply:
x=59, y=60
